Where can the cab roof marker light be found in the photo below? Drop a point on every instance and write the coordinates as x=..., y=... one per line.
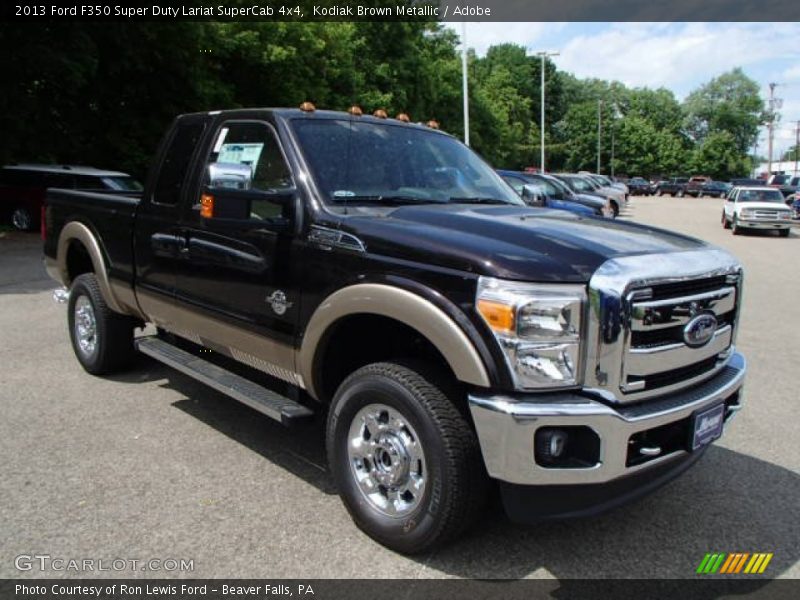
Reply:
x=380, y=113
x=433, y=124
x=355, y=110
x=308, y=107
x=403, y=117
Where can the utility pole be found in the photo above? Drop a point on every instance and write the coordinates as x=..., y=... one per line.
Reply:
x=773, y=104
x=464, y=83
x=543, y=55
x=796, y=146
x=599, y=131
x=612, y=149
x=755, y=157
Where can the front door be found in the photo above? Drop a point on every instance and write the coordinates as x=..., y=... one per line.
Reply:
x=239, y=275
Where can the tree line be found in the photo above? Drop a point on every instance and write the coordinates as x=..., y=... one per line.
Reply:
x=103, y=94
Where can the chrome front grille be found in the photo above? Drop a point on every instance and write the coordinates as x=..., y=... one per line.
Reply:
x=766, y=215
x=656, y=354
x=640, y=307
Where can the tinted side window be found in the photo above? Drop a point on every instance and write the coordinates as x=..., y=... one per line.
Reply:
x=87, y=182
x=515, y=183
x=253, y=145
x=176, y=161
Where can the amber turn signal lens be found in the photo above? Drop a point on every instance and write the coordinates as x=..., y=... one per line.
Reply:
x=355, y=110
x=433, y=124
x=207, y=206
x=307, y=107
x=403, y=117
x=380, y=113
x=500, y=317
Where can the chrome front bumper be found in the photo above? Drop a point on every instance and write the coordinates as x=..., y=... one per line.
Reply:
x=748, y=224
x=506, y=426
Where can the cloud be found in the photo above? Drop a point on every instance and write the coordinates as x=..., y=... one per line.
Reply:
x=482, y=35
x=676, y=56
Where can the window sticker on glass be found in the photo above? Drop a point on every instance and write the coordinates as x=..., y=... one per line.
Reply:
x=220, y=139
x=243, y=154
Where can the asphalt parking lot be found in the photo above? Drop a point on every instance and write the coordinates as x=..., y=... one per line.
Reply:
x=151, y=464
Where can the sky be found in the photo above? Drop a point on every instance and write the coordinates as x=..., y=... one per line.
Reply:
x=677, y=56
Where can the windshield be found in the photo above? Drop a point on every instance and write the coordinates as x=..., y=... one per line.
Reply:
x=390, y=164
x=761, y=196
x=579, y=184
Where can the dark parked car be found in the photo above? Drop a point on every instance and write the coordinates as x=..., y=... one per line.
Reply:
x=746, y=181
x=675, y=186
x=639, y=186
x=717, y=189
x=553, y=196
x=22, y=188
x=694, y=187
x=790, y=186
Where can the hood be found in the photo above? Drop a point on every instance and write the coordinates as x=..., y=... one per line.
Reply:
x=761, y=206
x=510, y=242
x=592, y=200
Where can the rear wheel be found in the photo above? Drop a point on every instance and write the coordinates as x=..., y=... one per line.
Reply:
x=406, y=461
x=101, y=339
x=22, y=219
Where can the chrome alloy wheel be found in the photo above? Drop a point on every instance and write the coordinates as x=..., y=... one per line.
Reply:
x=387, y=460
x=21, y=219
x=85, y=326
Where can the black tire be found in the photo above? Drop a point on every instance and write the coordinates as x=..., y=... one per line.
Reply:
x=455, y=486
x=681, y=194
x=784, y=232
x=615, y=209
x=23, y=220
x=112, y=348
x=659, y=193
x=737, y=230
x=725, y=223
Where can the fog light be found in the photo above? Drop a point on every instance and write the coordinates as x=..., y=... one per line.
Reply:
x=571, y=447
x=551, y=443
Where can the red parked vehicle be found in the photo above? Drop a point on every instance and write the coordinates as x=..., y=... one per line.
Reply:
x=22, y=188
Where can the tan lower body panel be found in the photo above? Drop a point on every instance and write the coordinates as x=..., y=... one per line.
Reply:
x=274, y=358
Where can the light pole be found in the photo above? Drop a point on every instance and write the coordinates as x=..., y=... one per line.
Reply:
x=544, y=54
x=464, y=86
x=599, y=131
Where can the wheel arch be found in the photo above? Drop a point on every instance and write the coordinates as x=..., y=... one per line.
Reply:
x=395, y=304
x=74, y=233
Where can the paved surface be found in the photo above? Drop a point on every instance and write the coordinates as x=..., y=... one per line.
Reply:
x=152, y=465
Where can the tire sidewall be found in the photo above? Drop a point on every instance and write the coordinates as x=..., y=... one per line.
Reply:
x=407, y=532
x=80, y=288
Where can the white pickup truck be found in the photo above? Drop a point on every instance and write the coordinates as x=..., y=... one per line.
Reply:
x=756, y=208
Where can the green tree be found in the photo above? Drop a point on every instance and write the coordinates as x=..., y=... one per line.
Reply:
x=793, y=153
x=728, y=103
x=718, y=157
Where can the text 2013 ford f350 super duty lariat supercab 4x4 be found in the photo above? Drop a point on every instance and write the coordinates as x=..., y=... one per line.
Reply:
x=451, y=334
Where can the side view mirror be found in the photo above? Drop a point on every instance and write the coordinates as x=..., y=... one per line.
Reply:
x=248, y=209
x=233, y=176
x=532, y=195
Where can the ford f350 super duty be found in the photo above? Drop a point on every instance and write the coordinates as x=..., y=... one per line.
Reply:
x=396, y=286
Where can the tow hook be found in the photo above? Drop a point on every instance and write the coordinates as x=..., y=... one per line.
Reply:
x=61, y=295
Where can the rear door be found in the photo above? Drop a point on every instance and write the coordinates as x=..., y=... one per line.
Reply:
x=158, y=245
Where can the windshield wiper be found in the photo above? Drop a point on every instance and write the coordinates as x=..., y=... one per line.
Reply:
x=477, y=200
x=381, y=200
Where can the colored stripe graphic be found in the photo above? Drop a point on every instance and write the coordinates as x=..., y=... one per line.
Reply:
x=734, y=563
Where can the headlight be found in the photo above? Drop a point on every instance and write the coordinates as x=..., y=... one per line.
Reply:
x=747, y=213
x=538, y=327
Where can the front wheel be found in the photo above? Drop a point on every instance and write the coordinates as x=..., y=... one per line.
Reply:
x=101, y=339
x=725, y=223
x=615, y=209
x=784, y=232
x=737, y=229
x=406, y=461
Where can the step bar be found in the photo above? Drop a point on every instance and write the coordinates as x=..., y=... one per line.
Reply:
x=267, y=402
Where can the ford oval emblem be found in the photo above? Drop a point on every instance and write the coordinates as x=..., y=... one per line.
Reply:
x=699, y=331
